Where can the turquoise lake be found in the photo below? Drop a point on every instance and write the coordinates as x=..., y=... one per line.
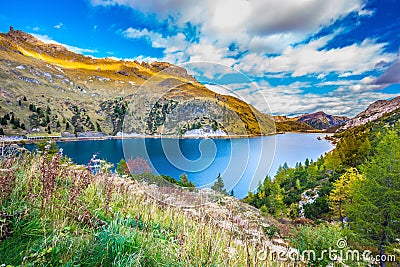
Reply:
x=242, y=162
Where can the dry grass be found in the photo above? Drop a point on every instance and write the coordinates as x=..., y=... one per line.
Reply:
x=70, y=215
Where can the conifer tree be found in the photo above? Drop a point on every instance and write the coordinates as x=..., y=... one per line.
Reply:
x=219, y=185
x=375, y=208
x=340, y=195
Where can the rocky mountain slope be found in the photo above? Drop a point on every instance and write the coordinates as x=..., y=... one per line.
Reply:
x=308, y=122
x=320, y=120
x=290, y=125
x=374, y=111
x=46, y=88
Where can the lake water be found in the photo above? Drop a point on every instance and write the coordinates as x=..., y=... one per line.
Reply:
x=242, y=162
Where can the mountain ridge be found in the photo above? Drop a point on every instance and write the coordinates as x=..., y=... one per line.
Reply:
x=35, y=76
x=373, y=112
x=321, y=120
x=47, y=88
x=314, y=121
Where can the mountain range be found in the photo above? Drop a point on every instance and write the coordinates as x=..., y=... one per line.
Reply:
x=317, y=120
x=374, y=112
x=46, y=88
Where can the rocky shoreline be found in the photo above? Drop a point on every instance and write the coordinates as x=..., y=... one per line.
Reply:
x=22, y=139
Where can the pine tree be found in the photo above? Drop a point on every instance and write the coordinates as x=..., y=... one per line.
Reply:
x=219, y=185
x=275, y=199
x=375, y=209
x=98, y=127
x=183, y=178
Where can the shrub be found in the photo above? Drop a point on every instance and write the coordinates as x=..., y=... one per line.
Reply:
x=271, y=230
x=318, y=239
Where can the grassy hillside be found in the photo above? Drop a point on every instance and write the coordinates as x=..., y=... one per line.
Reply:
x=54, y=213
x=293, y=126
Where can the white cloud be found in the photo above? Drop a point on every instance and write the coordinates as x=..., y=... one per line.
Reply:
x=257, y=16
x=298, y=61
x=142, y=58
x=171, y=43
x=310, y=59
x=293, y=100
x=257, y=26
x=178, y=49
x=345, y=74
x=59, y=25
x=46, y=39
x=334, y=103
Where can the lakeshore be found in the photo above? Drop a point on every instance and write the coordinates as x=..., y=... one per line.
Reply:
x=242, y=162
x=19, y=139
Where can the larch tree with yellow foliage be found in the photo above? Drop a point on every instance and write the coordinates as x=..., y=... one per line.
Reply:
x=340, y=195
x=374, y=211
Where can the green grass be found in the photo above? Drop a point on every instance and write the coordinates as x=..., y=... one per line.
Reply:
x=107, y=224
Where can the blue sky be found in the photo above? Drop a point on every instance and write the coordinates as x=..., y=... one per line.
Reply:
x=303, y=55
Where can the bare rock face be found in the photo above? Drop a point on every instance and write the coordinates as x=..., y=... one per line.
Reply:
x=373, y=112
x=172, y=70
x=20, y=36
x=320, y=120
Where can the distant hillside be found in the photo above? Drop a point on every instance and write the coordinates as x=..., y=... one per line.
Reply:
x=374, y=111
x=320, y=120
x=292, y=126
x=47, y=88
x=308, y=122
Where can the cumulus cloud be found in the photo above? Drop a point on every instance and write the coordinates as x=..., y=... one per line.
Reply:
x=257, y=25
x=171, y=43
x=178, y=49
x=258, y=16
x=300, y=60
x=311, y=58
x=293, y=100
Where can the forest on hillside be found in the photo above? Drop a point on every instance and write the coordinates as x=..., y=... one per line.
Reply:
x=356, y=186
